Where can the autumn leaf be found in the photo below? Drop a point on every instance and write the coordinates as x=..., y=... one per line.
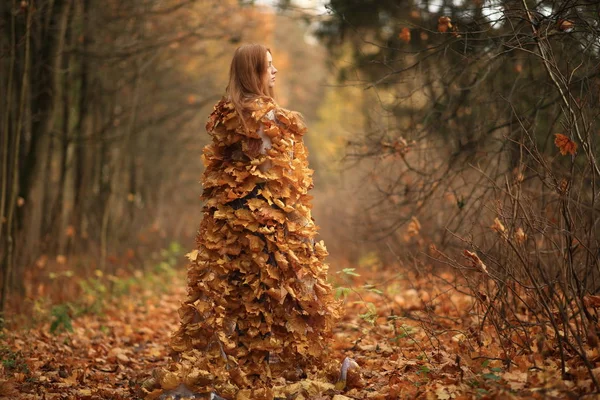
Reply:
x=404, y=35
x=192, y=255
x=498, y=226
x=592, y=301
x=413, y=228
x=565, y=25
x=475, y=261
x=70, y=231
x=516, y=379
x=518, y=67
x=444, y=24
x=520, y=236
x=564, y=144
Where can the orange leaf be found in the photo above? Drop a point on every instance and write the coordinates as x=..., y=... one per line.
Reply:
x=565, y=145
x=70, y=231
x=413, y=227
x=404, y=35
x=444, y=23
x=565, y=25
x=498, y=226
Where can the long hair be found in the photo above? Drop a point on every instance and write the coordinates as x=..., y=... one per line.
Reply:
x=248, y=78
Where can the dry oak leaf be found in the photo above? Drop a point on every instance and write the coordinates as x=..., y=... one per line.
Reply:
x=192, y=255
x=442, y=393
x=516, y=379
x=498, y=226
x=564, y=144
x=307, y=387
x=475, y=261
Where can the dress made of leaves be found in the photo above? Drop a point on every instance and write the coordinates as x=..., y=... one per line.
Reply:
x=259, y=308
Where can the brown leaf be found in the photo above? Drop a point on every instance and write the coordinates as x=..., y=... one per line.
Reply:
x=476, y=261
x=592, y=301
x=565, y=25
x=520, y=236
x=565, y=145
x=516, y=379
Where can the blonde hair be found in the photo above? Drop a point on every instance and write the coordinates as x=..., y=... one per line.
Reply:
x=248, y=78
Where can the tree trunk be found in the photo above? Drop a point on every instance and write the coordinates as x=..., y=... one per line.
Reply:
x=80, y=166
x=8, y=260
x=6, y=117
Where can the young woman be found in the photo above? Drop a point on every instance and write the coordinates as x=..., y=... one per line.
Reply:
x=259, y=309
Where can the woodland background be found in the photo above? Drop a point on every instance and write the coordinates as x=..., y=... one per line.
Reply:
x=455, y=140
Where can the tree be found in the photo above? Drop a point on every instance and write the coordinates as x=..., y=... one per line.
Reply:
x=99, y=118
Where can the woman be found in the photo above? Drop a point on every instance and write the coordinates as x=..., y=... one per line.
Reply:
x=259, y=309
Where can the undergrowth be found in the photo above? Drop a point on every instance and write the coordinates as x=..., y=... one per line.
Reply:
x=98, y=291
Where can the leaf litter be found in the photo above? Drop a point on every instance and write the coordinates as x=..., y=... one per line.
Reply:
x=423, y=344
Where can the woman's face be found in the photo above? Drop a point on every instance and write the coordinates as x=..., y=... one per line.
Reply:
x=271, y=70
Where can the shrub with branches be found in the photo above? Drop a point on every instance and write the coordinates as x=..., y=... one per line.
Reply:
x=482, y=150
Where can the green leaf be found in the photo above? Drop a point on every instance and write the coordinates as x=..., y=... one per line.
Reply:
x=342, y=292
x=492, y=377
x=423, y=370
x=372, y=288
x=62, y=319
x=371, y=315
x=349, y=271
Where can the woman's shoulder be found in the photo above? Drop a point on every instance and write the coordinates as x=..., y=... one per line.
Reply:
x=268, y=109
x=259, y=110
x=293, y=120
x=222, y=111
x=262, y=107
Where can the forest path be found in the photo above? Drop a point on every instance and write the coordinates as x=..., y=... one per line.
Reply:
x=410, y=337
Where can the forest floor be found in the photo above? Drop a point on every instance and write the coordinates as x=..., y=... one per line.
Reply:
x=409, y=339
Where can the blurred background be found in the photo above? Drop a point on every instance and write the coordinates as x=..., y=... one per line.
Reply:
x=432, y=129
